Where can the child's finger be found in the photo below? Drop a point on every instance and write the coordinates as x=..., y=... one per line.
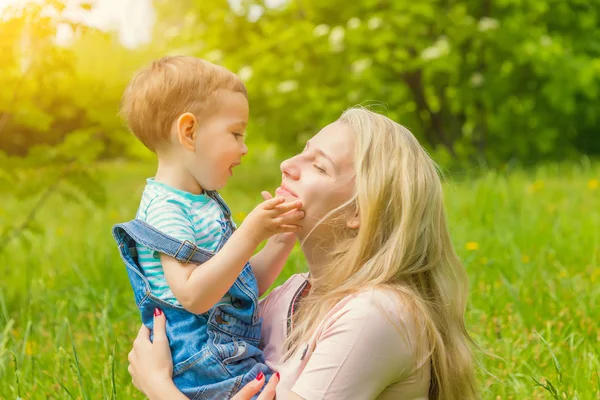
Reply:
x=287, y=206
x=290, y=217
x=289, y=228
x=266, y=195
x=272, y=203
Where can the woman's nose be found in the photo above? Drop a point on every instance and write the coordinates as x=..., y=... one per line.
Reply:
x=289, y=168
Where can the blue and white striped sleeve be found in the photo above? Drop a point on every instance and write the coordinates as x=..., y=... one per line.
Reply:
x=170, y=216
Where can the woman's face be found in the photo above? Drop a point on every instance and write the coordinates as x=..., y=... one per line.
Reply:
x=322, y=176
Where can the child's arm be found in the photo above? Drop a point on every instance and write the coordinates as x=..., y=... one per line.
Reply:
x=200, y=287
x=268, y=263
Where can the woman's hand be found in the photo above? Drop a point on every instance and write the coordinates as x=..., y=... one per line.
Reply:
x=151, y=367
x=253, y=387
x=150, y=363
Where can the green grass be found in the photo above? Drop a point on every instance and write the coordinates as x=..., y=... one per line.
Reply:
x=530, y=242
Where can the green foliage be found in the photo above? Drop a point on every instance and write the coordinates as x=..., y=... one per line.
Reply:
x=40, y=97
x=475, y=80
x=58, y=110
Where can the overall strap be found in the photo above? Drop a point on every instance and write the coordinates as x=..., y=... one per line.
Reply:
x=148, y=236
x=217, y=197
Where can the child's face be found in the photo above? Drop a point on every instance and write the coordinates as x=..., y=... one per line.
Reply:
x=219, y=144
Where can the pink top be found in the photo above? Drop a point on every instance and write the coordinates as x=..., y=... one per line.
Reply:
x=365, y=348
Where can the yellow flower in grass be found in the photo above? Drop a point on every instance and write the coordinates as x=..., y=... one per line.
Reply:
x=472, y=246
x=525, y=259
x=593, y=184
x=30, y=348
x=563, y=274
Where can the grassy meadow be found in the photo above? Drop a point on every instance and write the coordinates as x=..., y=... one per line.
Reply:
x=530, y=241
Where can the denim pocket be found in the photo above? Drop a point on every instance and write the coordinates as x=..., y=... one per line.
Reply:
x=200, y=357
x=227, y=349
x=203, y=376
x=219, y=390
x=232, y=351
x=235, y=355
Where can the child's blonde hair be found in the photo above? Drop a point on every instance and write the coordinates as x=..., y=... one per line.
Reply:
x=403, y=244
x=159, y=93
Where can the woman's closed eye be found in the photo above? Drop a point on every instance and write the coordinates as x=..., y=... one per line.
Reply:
x=320, y=169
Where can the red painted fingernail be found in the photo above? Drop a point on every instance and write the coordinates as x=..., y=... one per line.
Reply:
x=157, y=312
x=278, y=376
x=260, y=376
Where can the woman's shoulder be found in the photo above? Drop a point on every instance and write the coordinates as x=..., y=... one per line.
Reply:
x=292, y=283
x=289, y=286
x=382, y=323
x=379, y=298
x=378, y=307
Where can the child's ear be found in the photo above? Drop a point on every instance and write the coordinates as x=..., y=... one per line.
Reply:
x=186, y=131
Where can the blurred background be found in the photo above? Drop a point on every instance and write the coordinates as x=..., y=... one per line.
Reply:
x=503, y=93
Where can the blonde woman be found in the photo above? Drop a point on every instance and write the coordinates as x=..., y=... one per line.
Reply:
x=381, y=313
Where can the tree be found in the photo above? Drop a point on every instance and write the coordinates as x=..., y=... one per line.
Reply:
x=490, y=80
x=53, y=124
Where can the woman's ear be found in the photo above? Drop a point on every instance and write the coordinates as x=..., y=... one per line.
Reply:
x=354, y=222
x=186, y=130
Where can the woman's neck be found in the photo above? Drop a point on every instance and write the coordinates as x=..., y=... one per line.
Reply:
x=317, y=257
x=319, y=250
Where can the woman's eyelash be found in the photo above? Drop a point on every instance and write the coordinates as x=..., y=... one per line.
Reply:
x=320, y=169
x=237, y=135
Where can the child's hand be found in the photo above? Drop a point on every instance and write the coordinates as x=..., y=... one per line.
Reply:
x=272, y=216
x=288, y=238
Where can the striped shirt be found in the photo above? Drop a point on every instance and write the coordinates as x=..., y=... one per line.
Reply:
x=184, y=216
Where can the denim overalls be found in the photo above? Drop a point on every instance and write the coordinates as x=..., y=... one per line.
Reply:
x=216, y=353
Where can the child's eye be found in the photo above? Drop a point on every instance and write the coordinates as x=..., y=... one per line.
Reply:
x=237, y=135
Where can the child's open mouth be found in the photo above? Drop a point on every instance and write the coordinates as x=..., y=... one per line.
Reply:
x=231, y=168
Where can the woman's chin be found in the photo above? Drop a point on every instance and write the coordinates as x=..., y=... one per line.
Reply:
x=306, y=230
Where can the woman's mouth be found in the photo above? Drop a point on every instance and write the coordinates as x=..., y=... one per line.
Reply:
x=284, y=191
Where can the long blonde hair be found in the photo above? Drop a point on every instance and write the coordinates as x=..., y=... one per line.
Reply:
x=402, y=244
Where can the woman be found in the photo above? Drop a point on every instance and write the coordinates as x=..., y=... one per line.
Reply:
x=381, y=313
